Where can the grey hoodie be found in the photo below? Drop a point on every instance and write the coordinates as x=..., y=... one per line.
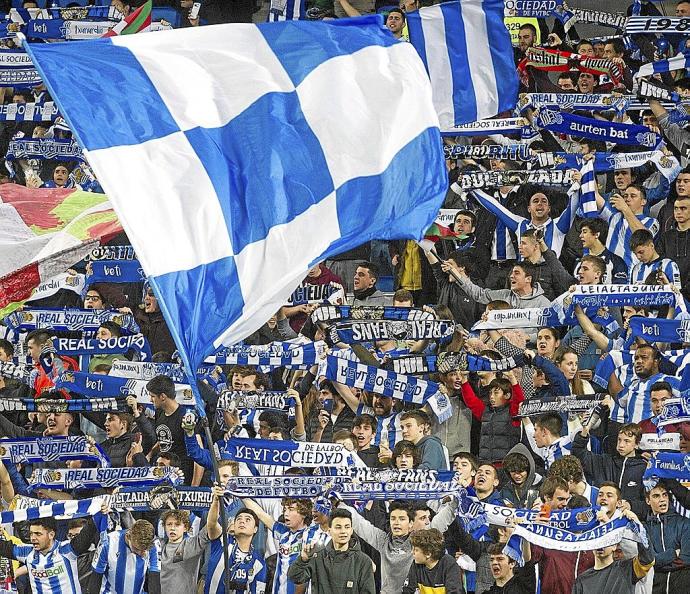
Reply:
x=432, y=453
x=396, y=551
x=481, y=295
x=525, y=496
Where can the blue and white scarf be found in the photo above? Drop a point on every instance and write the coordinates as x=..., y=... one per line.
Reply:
x=66, y=281
x=23, y=450
x=52, y=405
x=57, y=29
x=62, y=510
x=372, y=330
x=232, y=401
x=587, y=101
x=110, y=346
x=447, y=362
x=667, y=166
x=68, y=320
x=276, y=354
x=489, y=127
x=675, y=411
x=660, y=330
x=144, y=370
x=388, y=490
x=622, y=295
x=475, y=180
x=588, y=189
x=112, y=252
x=277, y=487
x=575, y=520
x=388, y=383
x=614, y=132
x=290, y=453
x=333, y=313
x=94, y=385
x=15, y=371
x=532, y=8
x=57, y=149
x=104, y=478
x=514, y=152
x=557, y=404
x=28, y=112
x=19, y=77
x=669, y=465
x=604, y=535
x=317, y=293
x=116, y=271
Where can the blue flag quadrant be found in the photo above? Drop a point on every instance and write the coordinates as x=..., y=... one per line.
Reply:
x=253, y=152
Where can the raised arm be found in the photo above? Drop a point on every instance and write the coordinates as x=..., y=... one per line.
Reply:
x=599, y=338
x=265, y=518
x=509, y=218
x=213, y=527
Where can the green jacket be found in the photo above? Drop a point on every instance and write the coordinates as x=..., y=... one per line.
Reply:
x=336, y=572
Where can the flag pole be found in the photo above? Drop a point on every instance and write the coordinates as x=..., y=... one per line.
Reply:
x=214, y=461
x=451, y=270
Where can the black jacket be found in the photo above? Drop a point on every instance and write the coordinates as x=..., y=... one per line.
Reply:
x=335, y=572
x=675, y=245
x=155, y=330
x=498, y=434
x=117, y=448
x=625, y=472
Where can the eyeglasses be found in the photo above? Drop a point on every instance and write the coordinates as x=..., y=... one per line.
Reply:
x=92, y=298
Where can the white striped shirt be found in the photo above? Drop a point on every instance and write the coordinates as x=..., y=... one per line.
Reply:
x=618, y=240
x=554, y=230
x=54, y=572
x=124, y=572
x=641, y=271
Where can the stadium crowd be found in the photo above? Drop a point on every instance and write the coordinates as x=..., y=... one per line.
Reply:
x=549, y=452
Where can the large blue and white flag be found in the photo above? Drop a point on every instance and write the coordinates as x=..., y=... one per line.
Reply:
x=240, y=155
x=467, y=52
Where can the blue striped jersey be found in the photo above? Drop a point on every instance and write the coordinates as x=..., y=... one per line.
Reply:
x=637, y=397
x=287, y=10
x=124, y=572
x=618, y=240
x=388, y=428
x=502, y=247
x=316, y=536
x=591, y=493
x=54, y=572
x=616, y=270
x=641, y=271
x=289, y=546
x=555, y=230
x=247, y=569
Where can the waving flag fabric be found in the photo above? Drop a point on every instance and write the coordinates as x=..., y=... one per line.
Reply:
x=252, y=152
x=139, y=20
x=467, y=52
x=44, y=231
